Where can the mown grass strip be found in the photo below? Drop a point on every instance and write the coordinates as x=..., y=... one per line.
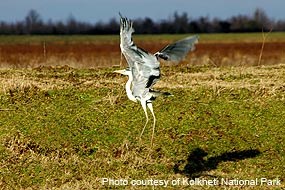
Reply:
x=77, y=39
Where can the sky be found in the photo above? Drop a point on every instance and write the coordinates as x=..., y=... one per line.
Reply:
x=93, y=11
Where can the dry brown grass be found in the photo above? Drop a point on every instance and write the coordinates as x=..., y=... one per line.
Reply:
x=268, y=77
x=82, y=55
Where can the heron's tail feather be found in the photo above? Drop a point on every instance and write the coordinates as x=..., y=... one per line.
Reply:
x=158, y=93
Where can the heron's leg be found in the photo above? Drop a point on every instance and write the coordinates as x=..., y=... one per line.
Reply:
x=143, y=103
x=149, y=105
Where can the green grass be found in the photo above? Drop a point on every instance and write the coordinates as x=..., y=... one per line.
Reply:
x=114, y=39
x=67, y=128
x=60, y=39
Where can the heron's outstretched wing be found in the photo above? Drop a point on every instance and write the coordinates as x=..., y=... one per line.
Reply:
x=178, y=50
x=144, y=66
x=126, y=30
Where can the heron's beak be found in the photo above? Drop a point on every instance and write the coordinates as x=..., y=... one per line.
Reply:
x=120, y=72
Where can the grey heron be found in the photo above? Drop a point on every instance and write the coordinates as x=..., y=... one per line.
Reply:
x=144, y=68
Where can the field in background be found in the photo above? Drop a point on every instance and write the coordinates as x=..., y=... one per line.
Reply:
x=67, y=128
x=103, y=51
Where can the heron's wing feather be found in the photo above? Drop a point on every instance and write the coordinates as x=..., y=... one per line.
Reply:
x=178, y=50
x=126, y=42
x=126, y=30
x=144, y=66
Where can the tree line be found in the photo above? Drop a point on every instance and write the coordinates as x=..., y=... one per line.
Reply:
x=177, y=23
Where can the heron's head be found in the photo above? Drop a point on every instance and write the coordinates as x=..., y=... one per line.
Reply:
x=126, y=71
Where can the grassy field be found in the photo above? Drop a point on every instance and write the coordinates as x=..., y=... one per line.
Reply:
x=73, y=128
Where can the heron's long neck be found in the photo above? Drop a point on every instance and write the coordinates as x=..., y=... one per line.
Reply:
x=128, y=89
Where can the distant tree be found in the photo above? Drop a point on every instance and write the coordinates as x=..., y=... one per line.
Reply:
x=279, y=25
x=19, y=28
x=112, y=26
x=181, y=22
x=261, y=20
x=5, y=28
x=71, y=25
x=33, y=22
x=194, y=27
x=166, y=27
x=59, y=28
x=238, y=23
x=146, y=26
x=204, y=24
x=149, y=26
x=98, y=28
x=218, y=25
x=257, y=22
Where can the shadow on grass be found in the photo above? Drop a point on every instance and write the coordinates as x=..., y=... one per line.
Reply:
x=196, y=164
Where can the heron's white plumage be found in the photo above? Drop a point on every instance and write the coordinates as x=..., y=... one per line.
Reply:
x=144, y=68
